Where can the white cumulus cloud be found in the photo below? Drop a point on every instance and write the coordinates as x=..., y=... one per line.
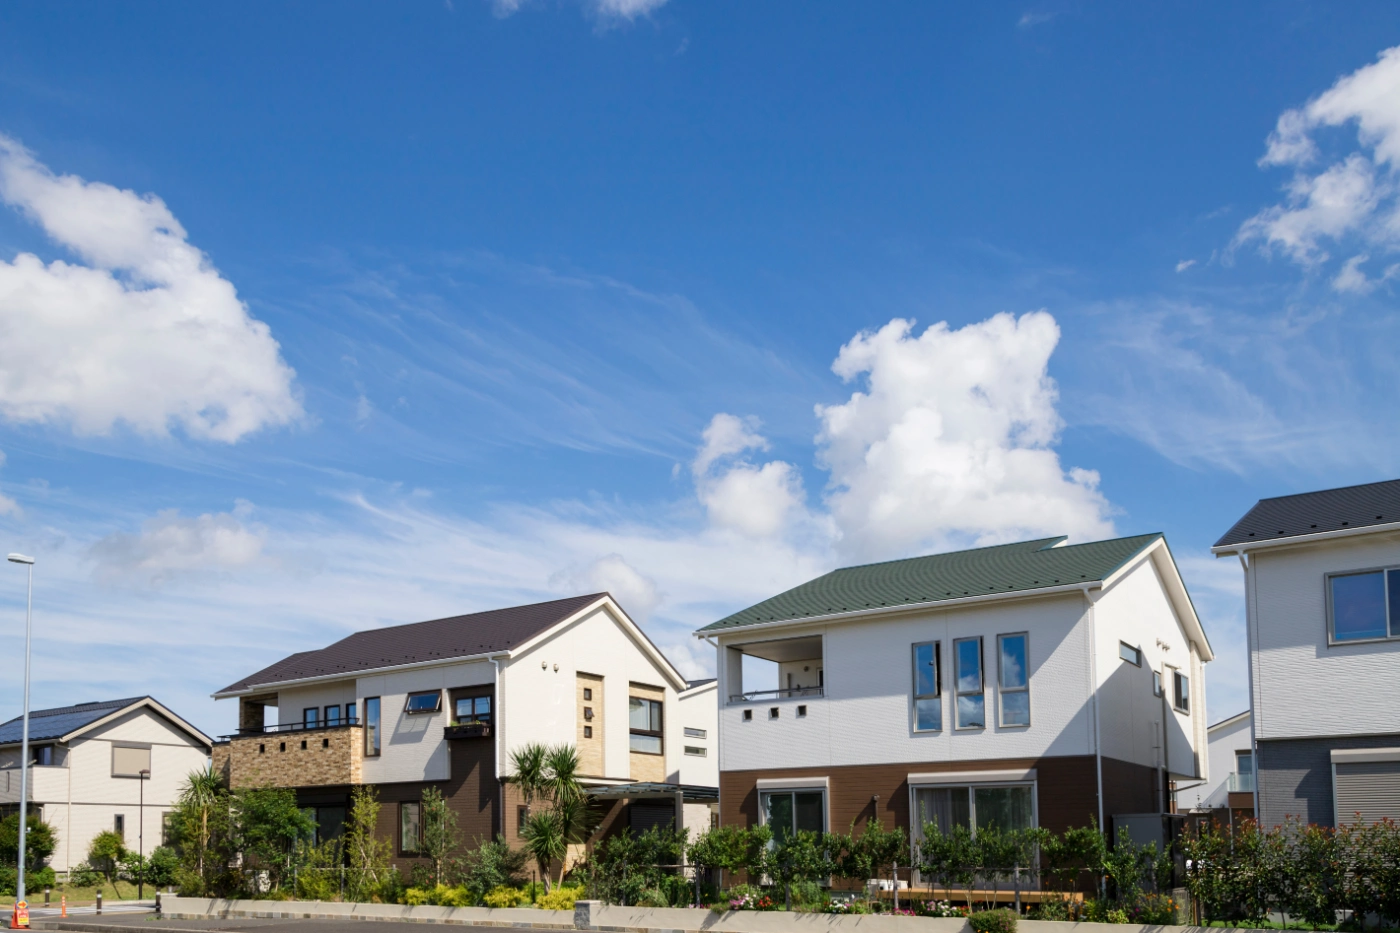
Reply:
x=949, y=443
x=634, y=591
x=143, y=330
x=1354, y=196
x=171, y=545
x=755, y=500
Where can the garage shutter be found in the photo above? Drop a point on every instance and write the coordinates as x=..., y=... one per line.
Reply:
x=1371, y=788
x=643, y=815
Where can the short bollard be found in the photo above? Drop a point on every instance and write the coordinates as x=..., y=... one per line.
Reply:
x=99, y=902
x=63, y=905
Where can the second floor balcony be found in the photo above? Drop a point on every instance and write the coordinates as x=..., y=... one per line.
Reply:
x=1241, y=782
x=292, y=755
x=778, y=669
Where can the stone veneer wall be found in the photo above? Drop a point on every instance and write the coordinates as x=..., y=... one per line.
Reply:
x=590, y=747
x=331, y=757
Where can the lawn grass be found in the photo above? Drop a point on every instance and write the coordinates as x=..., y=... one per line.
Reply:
x=84, y=896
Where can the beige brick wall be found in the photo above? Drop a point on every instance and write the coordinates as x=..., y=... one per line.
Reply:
x=643, y=767
x=331, y=756
x=590, y=748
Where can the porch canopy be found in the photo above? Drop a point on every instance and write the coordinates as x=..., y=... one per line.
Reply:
x=680, y=794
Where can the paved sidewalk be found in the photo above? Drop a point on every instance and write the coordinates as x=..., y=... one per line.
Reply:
x=130, y=922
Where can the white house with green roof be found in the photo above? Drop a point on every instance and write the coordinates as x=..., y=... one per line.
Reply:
x=1036, y=683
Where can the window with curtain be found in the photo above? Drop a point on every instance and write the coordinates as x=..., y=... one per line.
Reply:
x=973, y=807
x=971, y=700
x=788, y=811
x=130, y=762
x=928, y=688
x=1014, y=679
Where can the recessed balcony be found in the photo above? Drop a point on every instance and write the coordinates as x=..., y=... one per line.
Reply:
x=778, y=669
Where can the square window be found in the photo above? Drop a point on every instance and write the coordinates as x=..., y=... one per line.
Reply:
x=588, y=713
x=801, y=711
x=772, y=712
x=645, y=725
x=1358, y=605
x=748, y=715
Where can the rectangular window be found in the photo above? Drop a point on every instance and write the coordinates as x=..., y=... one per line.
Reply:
x=928, y=687
x=695, y=751
x=695, y=733
x=333, y=715
x=943, y=809
x=350, y=714
x=1130, y=654
x=423, y=703
x=1364, y=606
x=472, y=709
x=42, y=755
x=588, y=732
x=119, y=824
x=972, y=708
x=371, y=727
x=788, y=812
x=310, y=716
x=1181, y=692
x=410, y=828
x=130, y=762
x=644, y=722
x=1014, y=679
x=169, y=827
x=588, y=693
x=1156, y=683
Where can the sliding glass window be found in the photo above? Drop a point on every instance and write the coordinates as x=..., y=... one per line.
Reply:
x=971, y=701
x=928, y=687
x=1014, y=679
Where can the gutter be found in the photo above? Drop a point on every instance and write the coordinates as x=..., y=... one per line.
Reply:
x=496, y=740
x=705, y=634
x=1240, y=547
x=366, y=672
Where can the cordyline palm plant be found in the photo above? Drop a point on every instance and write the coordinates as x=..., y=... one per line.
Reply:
x=199, y=794
x=550, y=774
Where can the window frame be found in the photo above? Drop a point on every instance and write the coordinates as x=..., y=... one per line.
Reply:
x=697, y=751
x=374, y=727
x=916, y=826
x=937, y=694
x=485, y=719
x=693, y=733
x=352, y=714
x=1158, y=687
x=326, y=721
x=311, y=717
x=659, y=734
x=1003, y=689
x=764, y=793
x=1392, y=627
x=406, y=807
x=408, y=703
x=1136, y=659
x=1178, y=679
x=135, y=746
x=981, y=691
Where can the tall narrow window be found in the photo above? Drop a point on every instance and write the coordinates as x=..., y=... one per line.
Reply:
x=309, y=716
x=119, y=824
x=350, y=716
x=1156, y=683
x=1014, y=679
x=410, y=828
x=1181, y=692
x=972, y=708
x=928, y=688
x=371, y=727
x=644, y=723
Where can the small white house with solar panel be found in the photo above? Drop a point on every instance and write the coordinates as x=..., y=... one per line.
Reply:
x=88, y=766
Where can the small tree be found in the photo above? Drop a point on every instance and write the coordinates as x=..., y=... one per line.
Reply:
x=492, y=864
x=201, y=795
x=439, y=831
x=270, y=825
x=367, y=855
x=38, y=845
x=802, y=856
x=106, y=852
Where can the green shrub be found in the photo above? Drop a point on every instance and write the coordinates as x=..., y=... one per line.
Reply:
x=1117, y=916
x=561, y=898
x=505, y=897
x=83, y=875
x=1000, y=920
x=1157, y=909
x=1054, y=908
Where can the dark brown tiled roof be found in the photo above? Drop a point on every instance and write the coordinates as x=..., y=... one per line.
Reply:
x=1311, y=513
x=438, y=640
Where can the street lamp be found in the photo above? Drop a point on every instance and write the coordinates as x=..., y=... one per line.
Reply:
x=24, y=735
x=143, y=774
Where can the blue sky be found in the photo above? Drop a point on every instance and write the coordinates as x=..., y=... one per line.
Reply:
x=325, y=317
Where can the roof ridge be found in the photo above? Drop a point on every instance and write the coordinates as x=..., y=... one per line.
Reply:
x=464, y=615
x=1313, y=492
x=969, y=550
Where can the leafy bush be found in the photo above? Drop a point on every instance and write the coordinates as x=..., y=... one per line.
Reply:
x=1054, y=908
x=439, y=896
x=1157, y=909
x=491, y=865
x=505, y=897
x=1000, y=920
x=83, y=875
x=39, y=844
x=561, y=898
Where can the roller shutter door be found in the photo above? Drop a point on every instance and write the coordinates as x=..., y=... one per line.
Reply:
x=1370, y=788
x=642, y=815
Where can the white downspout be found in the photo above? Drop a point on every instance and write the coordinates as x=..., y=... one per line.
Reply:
x=500, y=719
x=1094, y=693
x=1251, y=632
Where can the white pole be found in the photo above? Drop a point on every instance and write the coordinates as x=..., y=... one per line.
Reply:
x=24, y=739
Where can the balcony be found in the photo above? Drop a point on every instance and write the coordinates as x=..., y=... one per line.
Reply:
x=1241, y=783
x=777, y=669
x=292, y=755
x=467, y=730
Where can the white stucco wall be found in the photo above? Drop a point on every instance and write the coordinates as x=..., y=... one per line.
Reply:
x=699, y=709
x=1303, y=686
x=1223, y=742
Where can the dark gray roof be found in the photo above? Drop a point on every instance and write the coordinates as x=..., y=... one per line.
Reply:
x=1311, y=513
x=49, y=724
x=437, y=640
x=692, y=684
x=1005, y=568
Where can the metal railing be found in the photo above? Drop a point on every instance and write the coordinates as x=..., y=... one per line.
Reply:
x=776, y=694
x=1241, y=783
x=291, y=727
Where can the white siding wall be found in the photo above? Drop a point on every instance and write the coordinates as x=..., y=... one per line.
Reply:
x=699, y=710
x=1222, y=745
x=412, y=748
x=293, y=702
x=865, y=716
x=1302, y=686
x=1136, y=610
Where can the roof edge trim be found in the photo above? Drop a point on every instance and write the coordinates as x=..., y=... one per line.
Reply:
x=351, y=675
x=1224, y=550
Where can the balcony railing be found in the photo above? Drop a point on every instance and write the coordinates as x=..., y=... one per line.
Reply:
x=467, y=730
x=775, y=694
x=1241, y=783
x=291, y=727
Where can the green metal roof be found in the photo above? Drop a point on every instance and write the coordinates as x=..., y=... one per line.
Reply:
x=1005, y=568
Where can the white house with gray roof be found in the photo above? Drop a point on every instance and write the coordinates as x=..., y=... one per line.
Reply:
x=86, y=771
x=1322, y=594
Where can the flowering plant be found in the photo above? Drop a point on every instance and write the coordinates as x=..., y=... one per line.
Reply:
x=751, y=902
x=938, y=909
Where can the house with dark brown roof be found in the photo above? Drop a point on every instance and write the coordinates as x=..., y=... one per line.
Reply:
x=444, y=703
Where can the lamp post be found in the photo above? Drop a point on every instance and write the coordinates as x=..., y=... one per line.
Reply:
x=24, y=735
x=142, y=775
